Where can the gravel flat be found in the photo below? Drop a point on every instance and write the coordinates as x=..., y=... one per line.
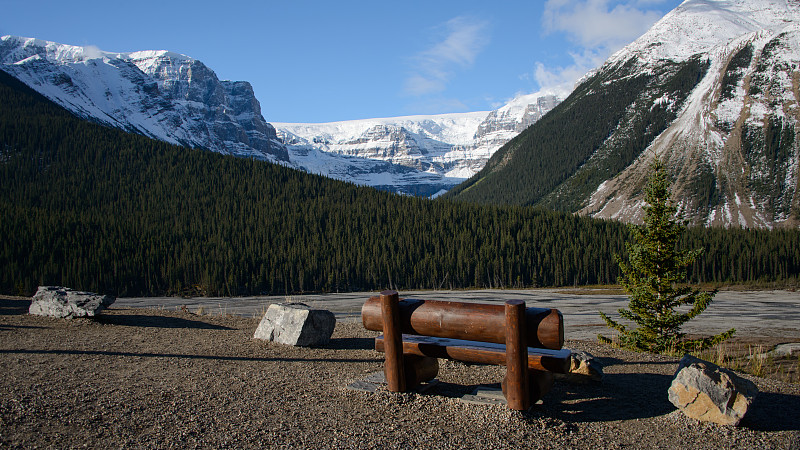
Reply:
x=773, y=313
x=160, y=378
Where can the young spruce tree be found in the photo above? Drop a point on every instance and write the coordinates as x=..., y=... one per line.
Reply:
x=655, y=275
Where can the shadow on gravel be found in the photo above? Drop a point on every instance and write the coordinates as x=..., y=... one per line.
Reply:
x=773, y=412
x=12, y=307
x=179, y=356
x=350, y=344
x=452, y=390
x=618, y=397
x=139, y=320
x=19, y=327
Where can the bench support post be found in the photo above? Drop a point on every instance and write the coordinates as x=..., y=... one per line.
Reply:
x=393, y=342
x=516, y=387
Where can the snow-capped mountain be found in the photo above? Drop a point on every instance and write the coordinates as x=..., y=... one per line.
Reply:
x=420, y=155
x=180, y=100
x=415, y=154
x=160, y=94
x=738, y=130
x=712, y=88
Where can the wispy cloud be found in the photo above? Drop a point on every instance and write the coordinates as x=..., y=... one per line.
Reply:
x=598, y=24
x=598, y=28
x=561, y=80
x=92, y=52
x=461, y=40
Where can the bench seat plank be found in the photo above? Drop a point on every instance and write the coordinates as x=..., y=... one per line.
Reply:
x=557, y=361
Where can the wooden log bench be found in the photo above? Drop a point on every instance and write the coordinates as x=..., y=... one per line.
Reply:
x=528, y=341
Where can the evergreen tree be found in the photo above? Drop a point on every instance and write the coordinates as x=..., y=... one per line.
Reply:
x=655, y=276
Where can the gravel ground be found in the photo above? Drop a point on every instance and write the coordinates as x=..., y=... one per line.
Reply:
x=164, y=379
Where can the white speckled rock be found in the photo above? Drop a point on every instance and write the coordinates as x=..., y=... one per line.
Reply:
x=296, y=324
x=61, y=302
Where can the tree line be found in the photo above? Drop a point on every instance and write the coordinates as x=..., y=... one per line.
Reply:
x=95, y=208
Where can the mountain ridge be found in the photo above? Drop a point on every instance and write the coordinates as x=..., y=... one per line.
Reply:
x=178, y=99
x=160, y=94
x=429, y=153
x=724, y=119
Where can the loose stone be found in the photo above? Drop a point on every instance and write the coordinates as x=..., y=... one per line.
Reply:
x=296, y=324
x=707, y=392
x=62, y=302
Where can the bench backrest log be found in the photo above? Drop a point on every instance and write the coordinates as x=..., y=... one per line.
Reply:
x=468, y=321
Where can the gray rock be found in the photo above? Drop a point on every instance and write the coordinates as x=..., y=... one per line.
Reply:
x=62, y=302
x=782, y=350
x=584, y=368
x=707, y=392
x=296, y=324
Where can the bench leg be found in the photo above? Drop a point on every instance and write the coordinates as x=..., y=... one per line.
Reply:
x=393, y=342
x=419, y=369
x=540, y=383
x=515, y=384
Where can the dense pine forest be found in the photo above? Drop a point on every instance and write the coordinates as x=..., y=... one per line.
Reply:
x=94, y=208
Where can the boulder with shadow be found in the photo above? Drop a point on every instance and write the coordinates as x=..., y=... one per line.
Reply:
x=66, y=303
x=296, y=324
x=709, y=393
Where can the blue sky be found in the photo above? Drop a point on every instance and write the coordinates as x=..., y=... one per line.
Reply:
x=326, y=61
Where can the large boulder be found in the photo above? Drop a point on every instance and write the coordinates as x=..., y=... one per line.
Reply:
x=707, y=392
x=62, y=302
x=296, y=324
x=583, y=368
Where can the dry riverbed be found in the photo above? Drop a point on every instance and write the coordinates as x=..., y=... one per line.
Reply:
x=155, y=378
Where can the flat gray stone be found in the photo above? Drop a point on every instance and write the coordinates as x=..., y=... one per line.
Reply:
x=485, y=395
x=66, y=303
x=790, y=349
x=364, y=386
x=488, y=395
x=296, y=324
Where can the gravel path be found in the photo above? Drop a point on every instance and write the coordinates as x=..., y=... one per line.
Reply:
x=773, y=313
x=171, y=379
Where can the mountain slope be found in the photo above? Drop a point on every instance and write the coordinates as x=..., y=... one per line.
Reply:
x=712, y=88
x=159, y=94
x=98, y=209
x=179, y=100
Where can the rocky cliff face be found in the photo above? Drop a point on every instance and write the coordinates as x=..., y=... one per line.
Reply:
x=734, y=146
x=712, y=89
x=160, y=94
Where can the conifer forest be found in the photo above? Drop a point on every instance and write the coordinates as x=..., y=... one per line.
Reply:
x=98, y=209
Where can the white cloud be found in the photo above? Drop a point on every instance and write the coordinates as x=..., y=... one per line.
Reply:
x=92, y=52
x=463, y=40
x=598, y=27
x=596, y=23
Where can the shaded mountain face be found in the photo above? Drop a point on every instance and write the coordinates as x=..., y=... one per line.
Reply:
x=159, y=94
x=712, y=89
